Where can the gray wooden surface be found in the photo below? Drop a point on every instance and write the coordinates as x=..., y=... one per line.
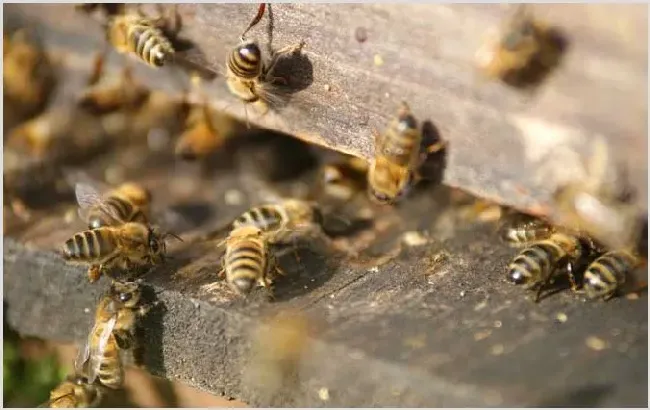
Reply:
x=512, y=147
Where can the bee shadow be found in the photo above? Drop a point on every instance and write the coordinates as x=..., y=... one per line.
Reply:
x=305, y=270
x=554, y=45
x=433, y=167
x=149, y=351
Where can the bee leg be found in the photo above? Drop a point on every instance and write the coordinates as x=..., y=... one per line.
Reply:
x=94, y=273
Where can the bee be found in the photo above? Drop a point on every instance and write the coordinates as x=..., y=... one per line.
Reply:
x=521, y=229
x=123, y=245
x=100, y=99
x=526, y=51
x=248, y=260
x=129, y=202
x=280, y=222
x=249, y=77
x=112, y=333
x=604, y=276
x=28, y=73
x=342, y=180
x=75, y=391
x=538, y=264
x=393, y=170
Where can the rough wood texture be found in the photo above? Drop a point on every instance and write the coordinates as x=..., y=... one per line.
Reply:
x=504, y=145
x=433, y=325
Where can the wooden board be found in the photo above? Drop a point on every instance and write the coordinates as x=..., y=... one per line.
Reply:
x=504, y=145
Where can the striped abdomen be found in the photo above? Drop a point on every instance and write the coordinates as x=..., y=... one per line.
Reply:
x=608, y=272
x=267, y=218
x=535, y=263
x=111, y=372
x=245, y=61
x=96, y=244
x=149, y=43
x=245, y=264
x=126, y=211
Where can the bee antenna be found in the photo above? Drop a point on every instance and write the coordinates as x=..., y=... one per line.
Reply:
x=173, y=235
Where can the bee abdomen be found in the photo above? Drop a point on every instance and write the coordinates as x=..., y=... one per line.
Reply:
x=150, y=44
x=267, y=218
x=531, y=264
x=110, y=369
x=245, y=266
x=611, y=268
x=92, y=244
x=245, y=61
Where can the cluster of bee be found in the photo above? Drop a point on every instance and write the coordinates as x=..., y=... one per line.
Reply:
x=121, y=236
x=99, y=366
x=551, y=251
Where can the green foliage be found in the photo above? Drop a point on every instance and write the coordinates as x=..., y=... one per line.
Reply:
x=27, y=382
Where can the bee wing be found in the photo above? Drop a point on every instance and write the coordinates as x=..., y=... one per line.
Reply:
x=88, y=196
x=96, y=349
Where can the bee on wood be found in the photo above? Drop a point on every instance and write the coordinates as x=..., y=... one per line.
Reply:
x=605, y=276
x=75, y=392
x=112, y=333
x=248, y=260
x=344, y=179
x=129, y=202
x=282, y=221
x=125, y=246
x=526, y=51
x=28, y=73
x=394, y=168
x=249, y=77
x=539, y=264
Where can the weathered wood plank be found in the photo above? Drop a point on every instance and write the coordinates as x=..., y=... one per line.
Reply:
x=504, y=145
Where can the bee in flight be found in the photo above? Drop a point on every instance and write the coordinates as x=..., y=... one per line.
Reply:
x=608, y=273
x=248, y=260
x=129, y=202
x=394, y=168
x=113, y=333
x=76, y=391
x=136, y=34
x=526, y=51
x=249, y=77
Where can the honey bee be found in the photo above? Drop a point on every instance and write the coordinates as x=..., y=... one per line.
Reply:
x=249, y=77
x=282, y=221
x=248, y=260
x=538, y=264
x=394, y=168
x=129, y=202
x=526, y=51
x=126, y=94
x=75, y=391
x=112, y=333
x=124, y=245
x=343, y=180
x=604, y=276
x=143, y=37
x=28, y=73
x=201, y=136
